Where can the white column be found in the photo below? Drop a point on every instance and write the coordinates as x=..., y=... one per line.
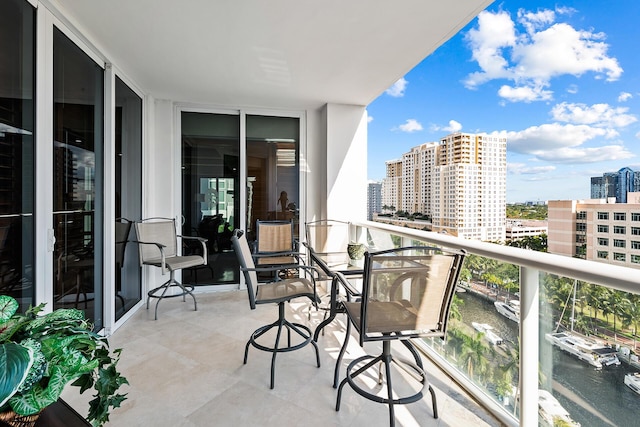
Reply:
x=529, y=352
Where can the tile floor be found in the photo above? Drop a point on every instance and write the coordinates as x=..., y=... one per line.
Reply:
x=185, y=369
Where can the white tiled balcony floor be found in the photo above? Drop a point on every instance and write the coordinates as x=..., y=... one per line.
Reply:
x=185, y=369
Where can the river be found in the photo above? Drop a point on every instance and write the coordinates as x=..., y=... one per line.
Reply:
x=593, y=398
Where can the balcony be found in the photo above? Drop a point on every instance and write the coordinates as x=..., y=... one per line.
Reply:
x=187, y=367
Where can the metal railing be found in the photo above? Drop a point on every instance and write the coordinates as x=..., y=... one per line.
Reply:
x=531, y=264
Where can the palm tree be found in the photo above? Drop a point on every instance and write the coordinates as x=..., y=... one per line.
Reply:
x=473, y=354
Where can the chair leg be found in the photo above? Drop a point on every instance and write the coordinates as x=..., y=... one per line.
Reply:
x=341, y=354
x=281, y=323
x=385, y=359
x=186, y=290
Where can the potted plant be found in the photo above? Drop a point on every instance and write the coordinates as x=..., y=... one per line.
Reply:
x=41, y=353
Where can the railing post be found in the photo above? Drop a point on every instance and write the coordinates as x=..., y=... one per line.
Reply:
x=529, y=351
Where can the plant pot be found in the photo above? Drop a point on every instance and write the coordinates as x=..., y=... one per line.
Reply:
x=15, y=420
x=356, y=254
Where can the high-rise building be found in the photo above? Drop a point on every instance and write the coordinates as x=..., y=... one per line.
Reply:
x=615, y=184
x=460, y=182
x=374, y=199
x=392, y=186
x=596, y=229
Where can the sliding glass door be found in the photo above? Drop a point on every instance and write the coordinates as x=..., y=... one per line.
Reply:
x=210, y=192
x=128, y=196
x=17, y=30
x=77, y=184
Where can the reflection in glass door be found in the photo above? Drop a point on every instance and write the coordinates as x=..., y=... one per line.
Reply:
x=77, y=179
x=17, y=19
x=210, y=202
x=273, y=177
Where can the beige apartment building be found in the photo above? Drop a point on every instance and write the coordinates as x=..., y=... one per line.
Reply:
x=392, y=185
x=459, y=181
x=596, y=229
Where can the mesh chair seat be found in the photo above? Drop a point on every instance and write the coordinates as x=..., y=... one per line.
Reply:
x=177, y=262
x=285, y=290
x=394, y=317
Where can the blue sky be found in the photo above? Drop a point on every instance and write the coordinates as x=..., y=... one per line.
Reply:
x=560, y=80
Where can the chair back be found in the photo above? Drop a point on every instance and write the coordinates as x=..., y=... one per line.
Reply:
x=407, y=292
x=156, y=230
x=274, y=236
x=243, y=252
x=328, y=236
x=123, y=228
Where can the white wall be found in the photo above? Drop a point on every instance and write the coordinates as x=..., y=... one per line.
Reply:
x=346, y=159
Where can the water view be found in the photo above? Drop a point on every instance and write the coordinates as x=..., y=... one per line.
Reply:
x=592, y=397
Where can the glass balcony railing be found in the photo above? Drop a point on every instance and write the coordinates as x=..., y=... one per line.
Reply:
x=538, y=339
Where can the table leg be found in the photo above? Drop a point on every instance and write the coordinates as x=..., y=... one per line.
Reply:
x=333, y=305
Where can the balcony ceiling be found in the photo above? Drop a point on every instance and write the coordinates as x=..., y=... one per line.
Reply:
x=277, y=53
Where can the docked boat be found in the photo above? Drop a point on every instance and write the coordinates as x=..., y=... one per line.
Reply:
x=595, y=354
x=487, y=330
x=632, y=380
x=510, y=310
x=551, y=412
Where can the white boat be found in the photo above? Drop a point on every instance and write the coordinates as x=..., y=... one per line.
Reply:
x=632, y=380
x=510, y=310
x=595, y=354
x=491, y=336
x=550, y=411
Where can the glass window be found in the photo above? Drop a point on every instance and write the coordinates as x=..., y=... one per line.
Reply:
x=603, y=254
x=618, y=229
x=603, y=215
x=603, y=228
x=17, y=66
x=635, y=216
x=635, y=231
x=78, y=87
x=635, y=259
x=581, y=215
x=635, y=244
x=603, y=241
x=581, y=226
x=619, y=243
x=619, y=257
x=619, y=216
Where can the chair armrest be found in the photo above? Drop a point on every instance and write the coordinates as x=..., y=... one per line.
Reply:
x=202, y=241
x=160, y=247
x=351, y=290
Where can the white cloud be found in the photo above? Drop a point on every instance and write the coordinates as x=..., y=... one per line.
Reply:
x=624, y=96
x=573, y=89
x=369, y=118
x=398, y=88
x=532, y=54
x=524, y=94
x=453, y=127
x=601, y=115
x=564, y=143
x=523, y=169
x=411, y=125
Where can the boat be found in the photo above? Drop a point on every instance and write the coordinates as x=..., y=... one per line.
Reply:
x=632, y=380
x=590, y=351
x=550, y=411
x=491, y=336
x=510, y=310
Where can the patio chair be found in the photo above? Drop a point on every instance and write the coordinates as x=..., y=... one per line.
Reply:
x=158, y=247
x=407, y=293
x=122, y=230
x=278, y=292
x=275, y=245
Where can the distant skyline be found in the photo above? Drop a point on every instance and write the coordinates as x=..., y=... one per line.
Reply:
x=559, y=80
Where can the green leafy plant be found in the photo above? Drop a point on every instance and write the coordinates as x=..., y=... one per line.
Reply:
x=41, y=354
